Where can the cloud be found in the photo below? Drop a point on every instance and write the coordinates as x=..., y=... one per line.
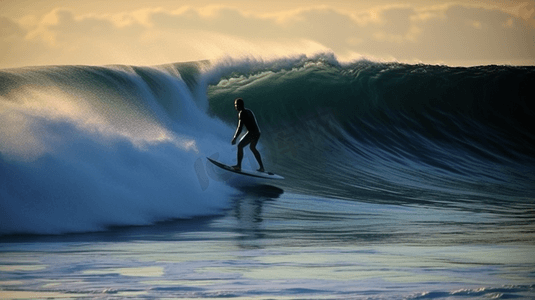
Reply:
x=447, y=33
x=464, y=33
x=9, y=28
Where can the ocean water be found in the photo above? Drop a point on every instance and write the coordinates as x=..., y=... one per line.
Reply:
x=401, y=181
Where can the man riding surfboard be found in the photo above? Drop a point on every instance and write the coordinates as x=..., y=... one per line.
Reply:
x=246, y=118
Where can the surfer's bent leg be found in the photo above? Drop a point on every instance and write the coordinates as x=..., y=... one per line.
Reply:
x=254, y=141
x=246, y=139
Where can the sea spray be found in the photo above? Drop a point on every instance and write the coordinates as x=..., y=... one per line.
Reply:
x=84, y=148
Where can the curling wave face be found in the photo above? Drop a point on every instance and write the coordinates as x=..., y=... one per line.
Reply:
x=393, y=132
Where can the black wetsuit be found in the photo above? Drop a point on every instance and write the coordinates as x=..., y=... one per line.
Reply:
x=246, y=118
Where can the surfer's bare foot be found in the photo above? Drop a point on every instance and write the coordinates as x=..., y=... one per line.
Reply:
x=236, y=168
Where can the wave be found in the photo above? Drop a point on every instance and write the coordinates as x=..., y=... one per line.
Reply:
x=345, y=130
x=83, y=148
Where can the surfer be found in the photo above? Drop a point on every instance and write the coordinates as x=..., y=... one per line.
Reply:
x=247, y=118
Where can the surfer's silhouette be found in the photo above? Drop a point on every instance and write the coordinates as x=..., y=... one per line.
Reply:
x=247, y=118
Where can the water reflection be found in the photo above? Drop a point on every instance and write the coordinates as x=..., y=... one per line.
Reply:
x=247, y=210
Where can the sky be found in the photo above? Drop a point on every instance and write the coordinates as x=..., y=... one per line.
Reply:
x=132, y=32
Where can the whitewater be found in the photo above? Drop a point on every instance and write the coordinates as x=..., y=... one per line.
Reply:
x=401, y=181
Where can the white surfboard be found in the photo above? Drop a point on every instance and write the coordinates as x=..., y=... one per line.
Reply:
x=266, y=175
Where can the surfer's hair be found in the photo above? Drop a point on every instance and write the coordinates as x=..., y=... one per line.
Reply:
x=239, y=102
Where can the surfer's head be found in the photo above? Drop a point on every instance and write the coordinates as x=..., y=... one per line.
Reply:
x=238, y=104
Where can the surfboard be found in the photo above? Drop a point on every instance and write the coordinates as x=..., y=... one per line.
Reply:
x=265, y=175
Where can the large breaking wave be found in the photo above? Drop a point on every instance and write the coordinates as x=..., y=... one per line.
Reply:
x=83, y=148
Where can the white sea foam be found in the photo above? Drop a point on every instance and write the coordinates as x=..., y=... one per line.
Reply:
x=85, y=148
